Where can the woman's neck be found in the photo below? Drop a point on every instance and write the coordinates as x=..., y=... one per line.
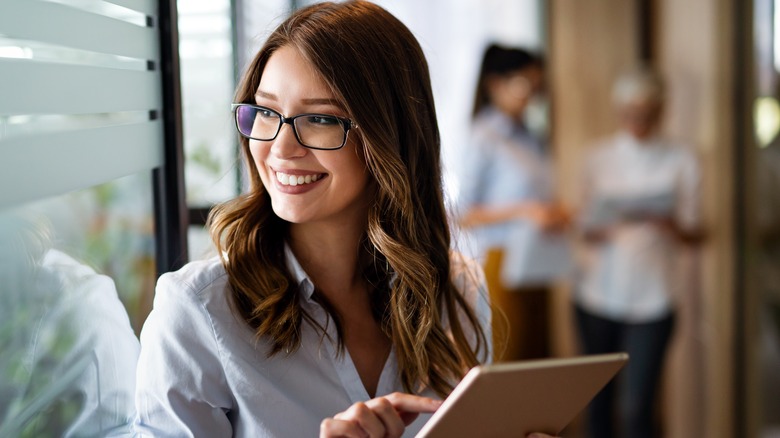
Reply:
x=330, y=256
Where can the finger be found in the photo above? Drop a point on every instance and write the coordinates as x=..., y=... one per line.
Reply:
x=391, y=418
x=332, y=427
x=365, y=417
x=408, y=403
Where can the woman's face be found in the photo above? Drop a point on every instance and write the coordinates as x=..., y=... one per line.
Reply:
x=307, y=185
x=640, y=117
x=511, y=92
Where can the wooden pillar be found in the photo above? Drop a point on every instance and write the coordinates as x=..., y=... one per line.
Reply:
x=693, y=46
x=694, y=41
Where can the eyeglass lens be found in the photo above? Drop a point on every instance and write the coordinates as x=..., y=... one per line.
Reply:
x=313, y=130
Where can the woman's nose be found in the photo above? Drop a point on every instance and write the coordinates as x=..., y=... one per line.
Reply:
x=286, y=144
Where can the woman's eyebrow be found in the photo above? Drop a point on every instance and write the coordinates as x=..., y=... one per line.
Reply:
x=322, y=101
x=264, y=95
x=308, y=101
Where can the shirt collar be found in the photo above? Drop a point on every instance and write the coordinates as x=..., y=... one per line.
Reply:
x=628, y=142
x=301, y=278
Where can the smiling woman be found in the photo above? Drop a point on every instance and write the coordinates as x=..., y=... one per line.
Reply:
x=337, y=305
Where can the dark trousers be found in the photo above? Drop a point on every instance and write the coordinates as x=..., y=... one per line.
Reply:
x=627, y=402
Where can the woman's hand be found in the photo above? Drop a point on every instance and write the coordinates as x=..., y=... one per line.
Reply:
x=385, y=416
x=551, y=218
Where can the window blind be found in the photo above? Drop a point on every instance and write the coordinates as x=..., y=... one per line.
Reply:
x=80, y=95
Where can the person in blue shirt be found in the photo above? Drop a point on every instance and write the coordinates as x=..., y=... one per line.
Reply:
x=506, y=197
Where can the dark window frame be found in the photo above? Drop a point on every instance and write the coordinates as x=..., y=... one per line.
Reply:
x=171, y=217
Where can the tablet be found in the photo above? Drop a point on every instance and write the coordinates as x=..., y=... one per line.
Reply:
x=516, y=398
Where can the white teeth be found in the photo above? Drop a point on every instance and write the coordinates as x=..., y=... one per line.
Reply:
x=293, y=180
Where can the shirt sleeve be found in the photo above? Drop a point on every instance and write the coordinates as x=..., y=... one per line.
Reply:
x=181, y=386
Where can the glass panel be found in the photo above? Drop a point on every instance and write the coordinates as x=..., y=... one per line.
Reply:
x=77, y=274
x=207, y=81
x=199, y=243
x=254, y=22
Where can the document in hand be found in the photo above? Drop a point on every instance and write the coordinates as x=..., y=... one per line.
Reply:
x=606, y=210
x=516, y=398
x=533, y=256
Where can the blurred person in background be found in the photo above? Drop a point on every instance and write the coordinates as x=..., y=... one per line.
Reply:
x=68, y=351
x=640, y=204
x=506, y=196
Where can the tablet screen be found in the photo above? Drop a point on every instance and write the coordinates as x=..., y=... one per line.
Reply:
x=516, y=398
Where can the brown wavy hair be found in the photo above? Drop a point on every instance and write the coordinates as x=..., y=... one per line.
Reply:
x=378, y=72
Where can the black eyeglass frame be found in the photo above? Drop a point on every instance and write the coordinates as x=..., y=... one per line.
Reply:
x=346, y=124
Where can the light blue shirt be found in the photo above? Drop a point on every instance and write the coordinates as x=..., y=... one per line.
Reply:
x=202, y=373
x=503, y=165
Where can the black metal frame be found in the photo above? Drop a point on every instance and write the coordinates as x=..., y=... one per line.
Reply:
x=170, y=210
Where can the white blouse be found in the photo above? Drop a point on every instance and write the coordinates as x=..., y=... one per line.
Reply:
x=634, y=276
x=201, y=372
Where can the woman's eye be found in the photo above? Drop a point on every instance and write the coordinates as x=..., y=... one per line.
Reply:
x=265, y=113
x=322, y=120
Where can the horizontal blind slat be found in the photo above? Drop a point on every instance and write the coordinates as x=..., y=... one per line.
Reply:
x=36, y=167
x=30, y=87
x=148, y=7
x=66, y=26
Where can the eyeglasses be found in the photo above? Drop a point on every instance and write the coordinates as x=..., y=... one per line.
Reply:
x=314, y=131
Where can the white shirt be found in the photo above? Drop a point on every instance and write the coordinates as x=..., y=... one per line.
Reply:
x=71, y=355
x=201, y=373
x=632, y=276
